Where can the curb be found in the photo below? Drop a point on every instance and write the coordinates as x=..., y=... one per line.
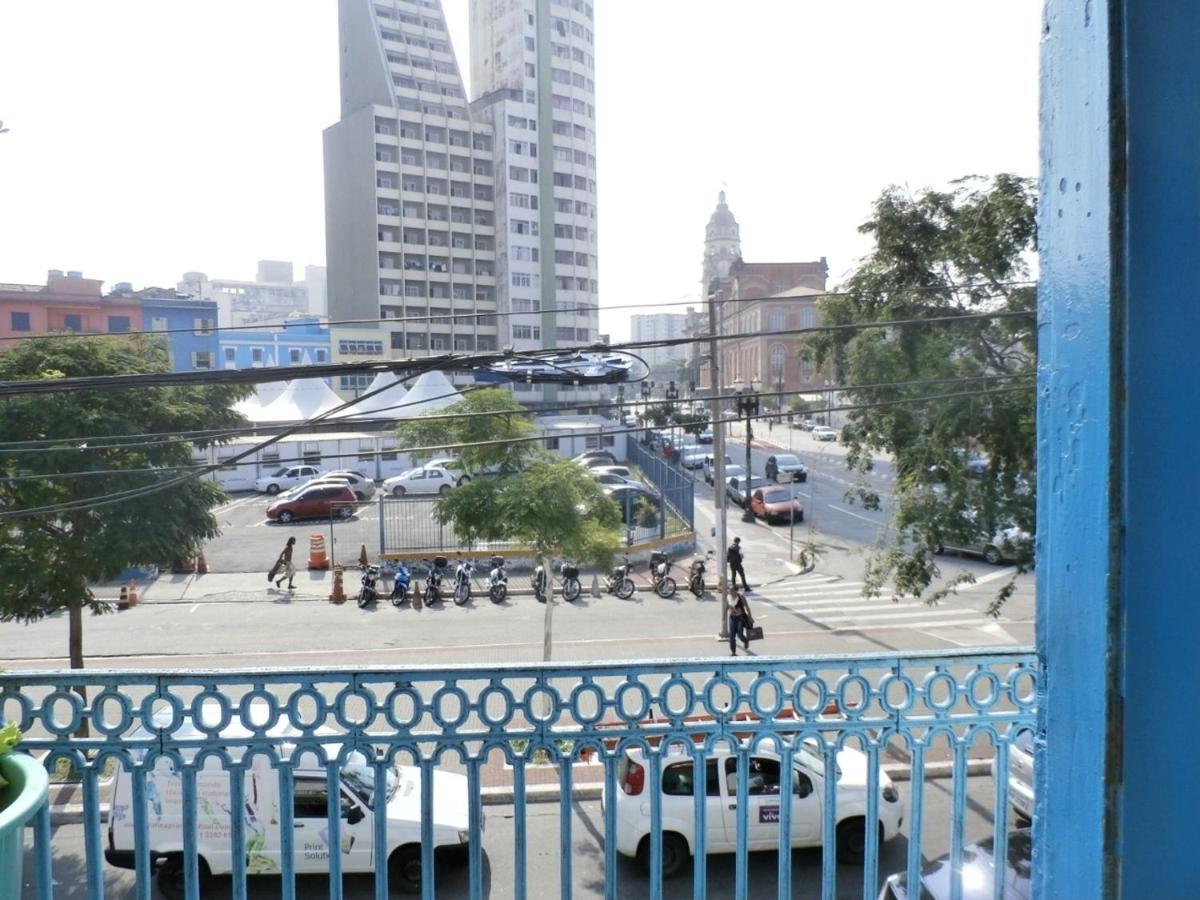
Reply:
x=72, y=813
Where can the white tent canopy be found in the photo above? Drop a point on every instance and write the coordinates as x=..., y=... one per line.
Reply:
x=431, y=392
x=264, y=395
x=302, y=399
x=387, y=404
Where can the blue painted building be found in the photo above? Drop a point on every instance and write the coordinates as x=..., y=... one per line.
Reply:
x=299, y=340
x=189, y=325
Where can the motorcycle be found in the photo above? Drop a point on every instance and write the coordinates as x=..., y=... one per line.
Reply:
x=538, y=582
x=660, y=567
x=571, y=587
x=497, y=580
x=619, y=582
x=433, y=581
x=696, y=574
x=368, y=592
x=400, y=586
x=462, y=581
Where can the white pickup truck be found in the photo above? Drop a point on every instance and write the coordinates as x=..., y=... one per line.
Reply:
x=260, y=814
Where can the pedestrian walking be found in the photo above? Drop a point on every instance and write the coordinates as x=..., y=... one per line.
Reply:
x=739, y=621
x=283, y=566
x=734, y=556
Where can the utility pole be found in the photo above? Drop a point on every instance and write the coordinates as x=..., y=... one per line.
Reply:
x=714, y=368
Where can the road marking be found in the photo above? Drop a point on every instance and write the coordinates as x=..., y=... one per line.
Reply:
x=195, y=606
x=624, y=640
x=1002, y=573
x=857, y=617
x=856, y=515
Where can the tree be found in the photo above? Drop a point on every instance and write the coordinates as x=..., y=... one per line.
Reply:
x=937, y=254
x=530, y=496
x=47, y=561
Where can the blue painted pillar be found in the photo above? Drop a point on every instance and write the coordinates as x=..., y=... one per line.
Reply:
x=1118, y=421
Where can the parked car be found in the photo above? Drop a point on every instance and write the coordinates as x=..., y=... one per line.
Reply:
x=706, y=436
x=786, y=467
x=1007, y=545
x=320, y=501
x=591, y=458
x=358, y=804
x=694, y=457
x=1020, y=776
x=285, y=477
x=709, y=464
x=425, y=480
x=735, y=487
x=363, y=487
x=623, y=472
x=824, y=433
x=312, y=482
x=806, y=786
x=978, y=873
x=776, y=504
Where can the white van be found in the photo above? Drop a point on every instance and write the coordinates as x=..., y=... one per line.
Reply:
x=261, y=818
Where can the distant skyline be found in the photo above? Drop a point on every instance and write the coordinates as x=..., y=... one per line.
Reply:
x=151, y=138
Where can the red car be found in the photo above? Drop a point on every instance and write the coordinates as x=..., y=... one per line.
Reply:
x=321, y=501
x=776, y=504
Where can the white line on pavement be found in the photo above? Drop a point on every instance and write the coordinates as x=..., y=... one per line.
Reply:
x=858, y=617
x=195, y=606
x=856, y=515
x=1002, y=573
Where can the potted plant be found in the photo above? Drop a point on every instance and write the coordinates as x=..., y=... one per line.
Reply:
x=24, y=786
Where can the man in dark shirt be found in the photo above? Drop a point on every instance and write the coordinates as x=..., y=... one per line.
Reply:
x=734, y=555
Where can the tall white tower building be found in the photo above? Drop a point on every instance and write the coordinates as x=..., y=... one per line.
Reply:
x=434, y=205
x=532, y=70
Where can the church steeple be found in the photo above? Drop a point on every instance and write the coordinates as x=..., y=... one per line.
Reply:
x=722, y=243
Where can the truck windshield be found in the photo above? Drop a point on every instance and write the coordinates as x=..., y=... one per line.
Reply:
x=361, y=780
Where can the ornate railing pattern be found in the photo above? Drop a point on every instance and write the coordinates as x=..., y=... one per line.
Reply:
x=464, y=717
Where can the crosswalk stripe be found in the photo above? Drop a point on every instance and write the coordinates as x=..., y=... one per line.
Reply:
x=916, y=626
x=943, y=613
x=806, y=589
x=815, y=592
x=847, y=603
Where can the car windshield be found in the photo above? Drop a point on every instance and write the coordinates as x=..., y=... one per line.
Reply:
x=787, y=460
x=360, y=779
x=279, y=473
x=777, y=496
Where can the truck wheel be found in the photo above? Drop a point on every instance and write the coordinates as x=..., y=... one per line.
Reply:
x=404, y=869
x=170, y=876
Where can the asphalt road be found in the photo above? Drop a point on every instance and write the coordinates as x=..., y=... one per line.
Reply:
x=587, y=858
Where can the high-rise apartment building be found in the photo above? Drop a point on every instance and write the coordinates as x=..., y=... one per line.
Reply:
x=659, y=327
x=436, y=206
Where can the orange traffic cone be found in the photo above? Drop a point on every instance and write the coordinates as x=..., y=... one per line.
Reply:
x=338, y=595
x=317, y=558
x=133, y=597
x=201, y=564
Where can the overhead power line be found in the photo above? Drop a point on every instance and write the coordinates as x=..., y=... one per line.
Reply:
x=455, y=316
x=451, y=362
x=199, y=470
x=95, y=443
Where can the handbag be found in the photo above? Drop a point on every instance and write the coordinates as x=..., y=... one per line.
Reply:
x=754, y=633
x=274, y=570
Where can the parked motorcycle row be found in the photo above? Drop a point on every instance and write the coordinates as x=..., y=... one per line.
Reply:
x=543, y=581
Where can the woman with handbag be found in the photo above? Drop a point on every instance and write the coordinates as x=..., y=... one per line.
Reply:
x=740, y=621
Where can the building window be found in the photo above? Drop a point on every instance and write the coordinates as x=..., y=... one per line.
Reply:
x=20, y=321
x=202, y=326
x=777, y=320
x=202, y=360
x=73, y=323
x=294, y=356
x=808, y=318
x=158, y=323
x=322, y=355
x=354, y=383
x=230, y=354
x=118, y=324
x=360, y=348
x=256, y=355
x=551, y=443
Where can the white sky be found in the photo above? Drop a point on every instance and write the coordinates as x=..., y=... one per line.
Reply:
x=152, y=137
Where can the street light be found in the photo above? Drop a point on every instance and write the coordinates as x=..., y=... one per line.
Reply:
x=747, y=403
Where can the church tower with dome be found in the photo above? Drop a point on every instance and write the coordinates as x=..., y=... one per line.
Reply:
x=722, y=245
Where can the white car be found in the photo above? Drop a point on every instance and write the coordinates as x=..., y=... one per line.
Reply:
x=260, y=813
x=731, y=469
x=1020, y=776
x=286, y=477
x=425, y=480
x=824, y=433
x=694, y=457
x=320, y=480
x=806, y=786
x=623, y=472
x=364, y=488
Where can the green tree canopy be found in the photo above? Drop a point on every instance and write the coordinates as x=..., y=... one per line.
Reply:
x=532, y=497
x=942, y=253
x=482, y=442
x=48, y=560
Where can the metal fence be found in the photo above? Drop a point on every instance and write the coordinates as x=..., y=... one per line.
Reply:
x=676, y=485
x=186, y=744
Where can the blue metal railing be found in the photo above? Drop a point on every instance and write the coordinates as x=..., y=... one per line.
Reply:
x=280, y=732
x=675, y=485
